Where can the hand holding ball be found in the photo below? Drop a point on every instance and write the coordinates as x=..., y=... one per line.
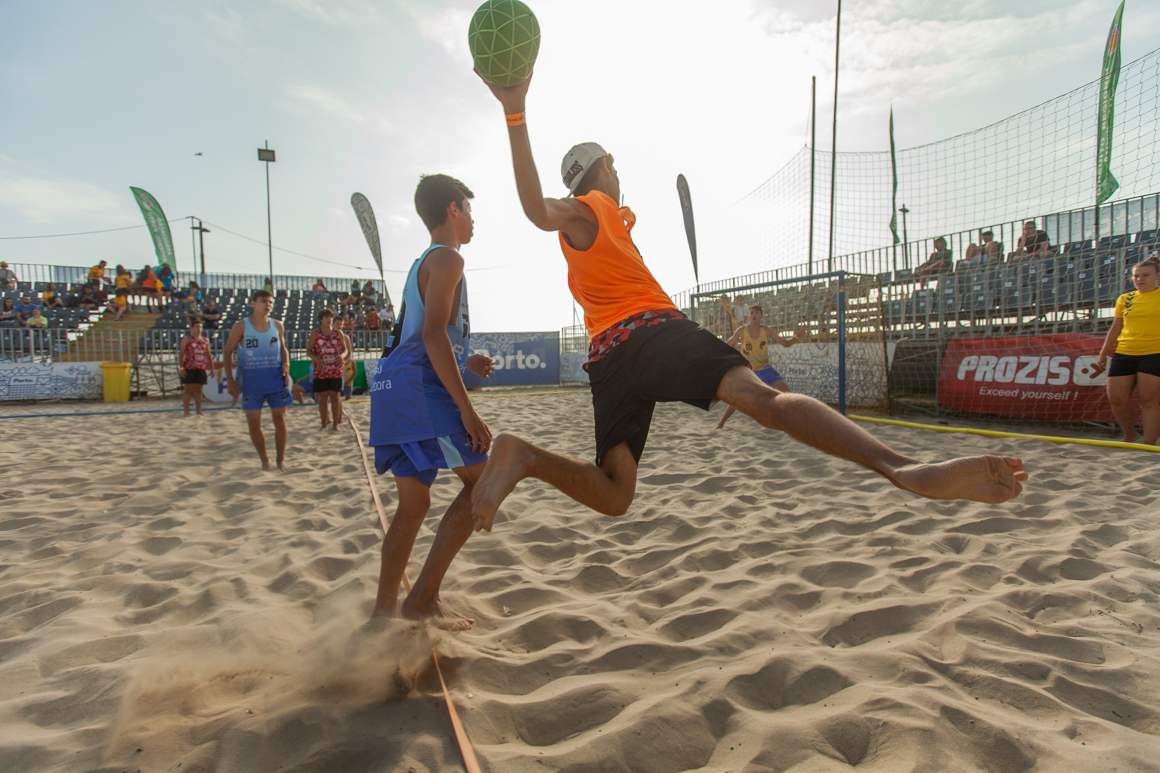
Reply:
x=504, y=38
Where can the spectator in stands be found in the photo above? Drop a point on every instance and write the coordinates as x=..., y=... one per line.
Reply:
x=987, y=251
x=146, y=286
x=211, y=315
x=268, y=286
x=166, y=280
x=359, y=322
x=119, y=304
x=8, y=278
x=389, y=316
x=940, y=261
x=346, y=324
x=353, y=297
x=36, y=319
x=25, y=307
x=8, y=315
x=319, y=292
x=97, y=273
x=51, y=298
x=1135, y=337
x=98, y=293
x=373, y=320
x=86, y=299
x=1033, y=243
x=124, y=279
x=369, y=293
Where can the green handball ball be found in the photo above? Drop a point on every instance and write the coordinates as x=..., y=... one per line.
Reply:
x=504, y=38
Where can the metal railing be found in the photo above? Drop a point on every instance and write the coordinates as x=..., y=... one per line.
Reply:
x=65, y=276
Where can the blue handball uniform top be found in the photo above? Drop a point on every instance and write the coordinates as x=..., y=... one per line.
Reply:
x=260, y=361
x=408, y=401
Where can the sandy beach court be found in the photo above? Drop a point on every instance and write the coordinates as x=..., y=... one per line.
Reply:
x=167, y=606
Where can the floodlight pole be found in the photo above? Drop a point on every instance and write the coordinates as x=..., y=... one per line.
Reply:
x=834, y=139
x=267, y=155
x=813, y=134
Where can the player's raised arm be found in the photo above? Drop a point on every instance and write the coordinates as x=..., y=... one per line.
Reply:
x=567, y=215
x=736, y=336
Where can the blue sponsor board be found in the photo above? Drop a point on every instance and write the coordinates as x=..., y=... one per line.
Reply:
x=520, y=358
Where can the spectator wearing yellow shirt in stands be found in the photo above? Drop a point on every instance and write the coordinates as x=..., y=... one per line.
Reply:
x=97, y=272
x=1135, y=335
x=51, y=298
x=119, y=304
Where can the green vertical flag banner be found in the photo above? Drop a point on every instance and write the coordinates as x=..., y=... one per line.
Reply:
x=158, y=227
x=894, y=190
x=1106, y=184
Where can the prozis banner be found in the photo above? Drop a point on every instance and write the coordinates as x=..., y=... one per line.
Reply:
x=1036, y=377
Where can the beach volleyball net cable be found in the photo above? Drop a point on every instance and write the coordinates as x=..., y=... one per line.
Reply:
x=1028, y=166
x=842, y=359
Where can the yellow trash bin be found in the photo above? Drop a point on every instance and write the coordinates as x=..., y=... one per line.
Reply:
x=116, y=377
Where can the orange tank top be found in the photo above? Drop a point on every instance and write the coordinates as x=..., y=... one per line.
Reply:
x=610, y=280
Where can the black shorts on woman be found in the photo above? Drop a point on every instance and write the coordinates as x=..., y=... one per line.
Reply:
x=1131, y=364
x=675, y=361
x=327, y=384
x=195, y=376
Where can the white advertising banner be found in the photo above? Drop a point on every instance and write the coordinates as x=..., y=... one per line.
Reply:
x=51, y=381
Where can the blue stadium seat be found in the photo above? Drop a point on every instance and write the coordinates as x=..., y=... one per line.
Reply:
x=903, y=275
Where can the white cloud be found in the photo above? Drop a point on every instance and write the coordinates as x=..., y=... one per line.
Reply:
x=42, y=200
x=446, y=26
x=336, y=13
x=320, y=98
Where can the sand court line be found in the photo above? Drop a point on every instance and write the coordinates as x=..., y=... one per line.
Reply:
x=465, y=748
x=997, y=433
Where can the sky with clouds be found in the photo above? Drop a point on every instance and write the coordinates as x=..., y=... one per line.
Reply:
x=365, y=96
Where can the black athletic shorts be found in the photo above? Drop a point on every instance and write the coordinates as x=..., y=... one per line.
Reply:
x=194, y=376
x=675, y=361
x=327, y=385
x=1131, y=364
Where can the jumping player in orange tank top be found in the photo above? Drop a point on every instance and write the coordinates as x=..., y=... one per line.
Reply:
x=643, y=351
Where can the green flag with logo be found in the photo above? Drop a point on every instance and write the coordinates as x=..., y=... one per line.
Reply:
x=158, y=227
x=1106, y=184
x=894, y=190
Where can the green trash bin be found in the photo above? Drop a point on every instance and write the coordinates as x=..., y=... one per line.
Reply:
x=116, y=377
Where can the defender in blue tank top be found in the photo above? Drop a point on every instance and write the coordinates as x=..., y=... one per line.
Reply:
x=264, y=370
x=422, y=419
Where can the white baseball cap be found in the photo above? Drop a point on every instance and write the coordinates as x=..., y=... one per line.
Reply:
x=579, y=160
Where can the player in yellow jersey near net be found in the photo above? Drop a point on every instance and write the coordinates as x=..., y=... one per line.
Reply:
x=755, y=339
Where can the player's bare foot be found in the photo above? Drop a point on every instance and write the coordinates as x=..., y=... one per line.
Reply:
x=281, y=465
x=990, y=479
x=1135, y=438
x=266, y=465
x=505, y=468
x=437, y=614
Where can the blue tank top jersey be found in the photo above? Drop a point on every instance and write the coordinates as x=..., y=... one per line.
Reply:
x=408, y=401
x=260, y=360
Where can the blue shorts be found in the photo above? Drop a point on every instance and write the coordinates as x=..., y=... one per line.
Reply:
x=768, y=375
x=423, y=459
x=278, y=399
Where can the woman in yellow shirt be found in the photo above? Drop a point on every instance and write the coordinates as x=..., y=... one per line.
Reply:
x=1135, y=336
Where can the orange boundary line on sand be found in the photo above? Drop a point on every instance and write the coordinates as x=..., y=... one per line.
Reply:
x=470, y=763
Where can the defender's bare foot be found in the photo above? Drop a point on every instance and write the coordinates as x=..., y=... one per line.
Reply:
x=266, y=465
x=437, y=614
x=505, y=468
x=990, y=479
